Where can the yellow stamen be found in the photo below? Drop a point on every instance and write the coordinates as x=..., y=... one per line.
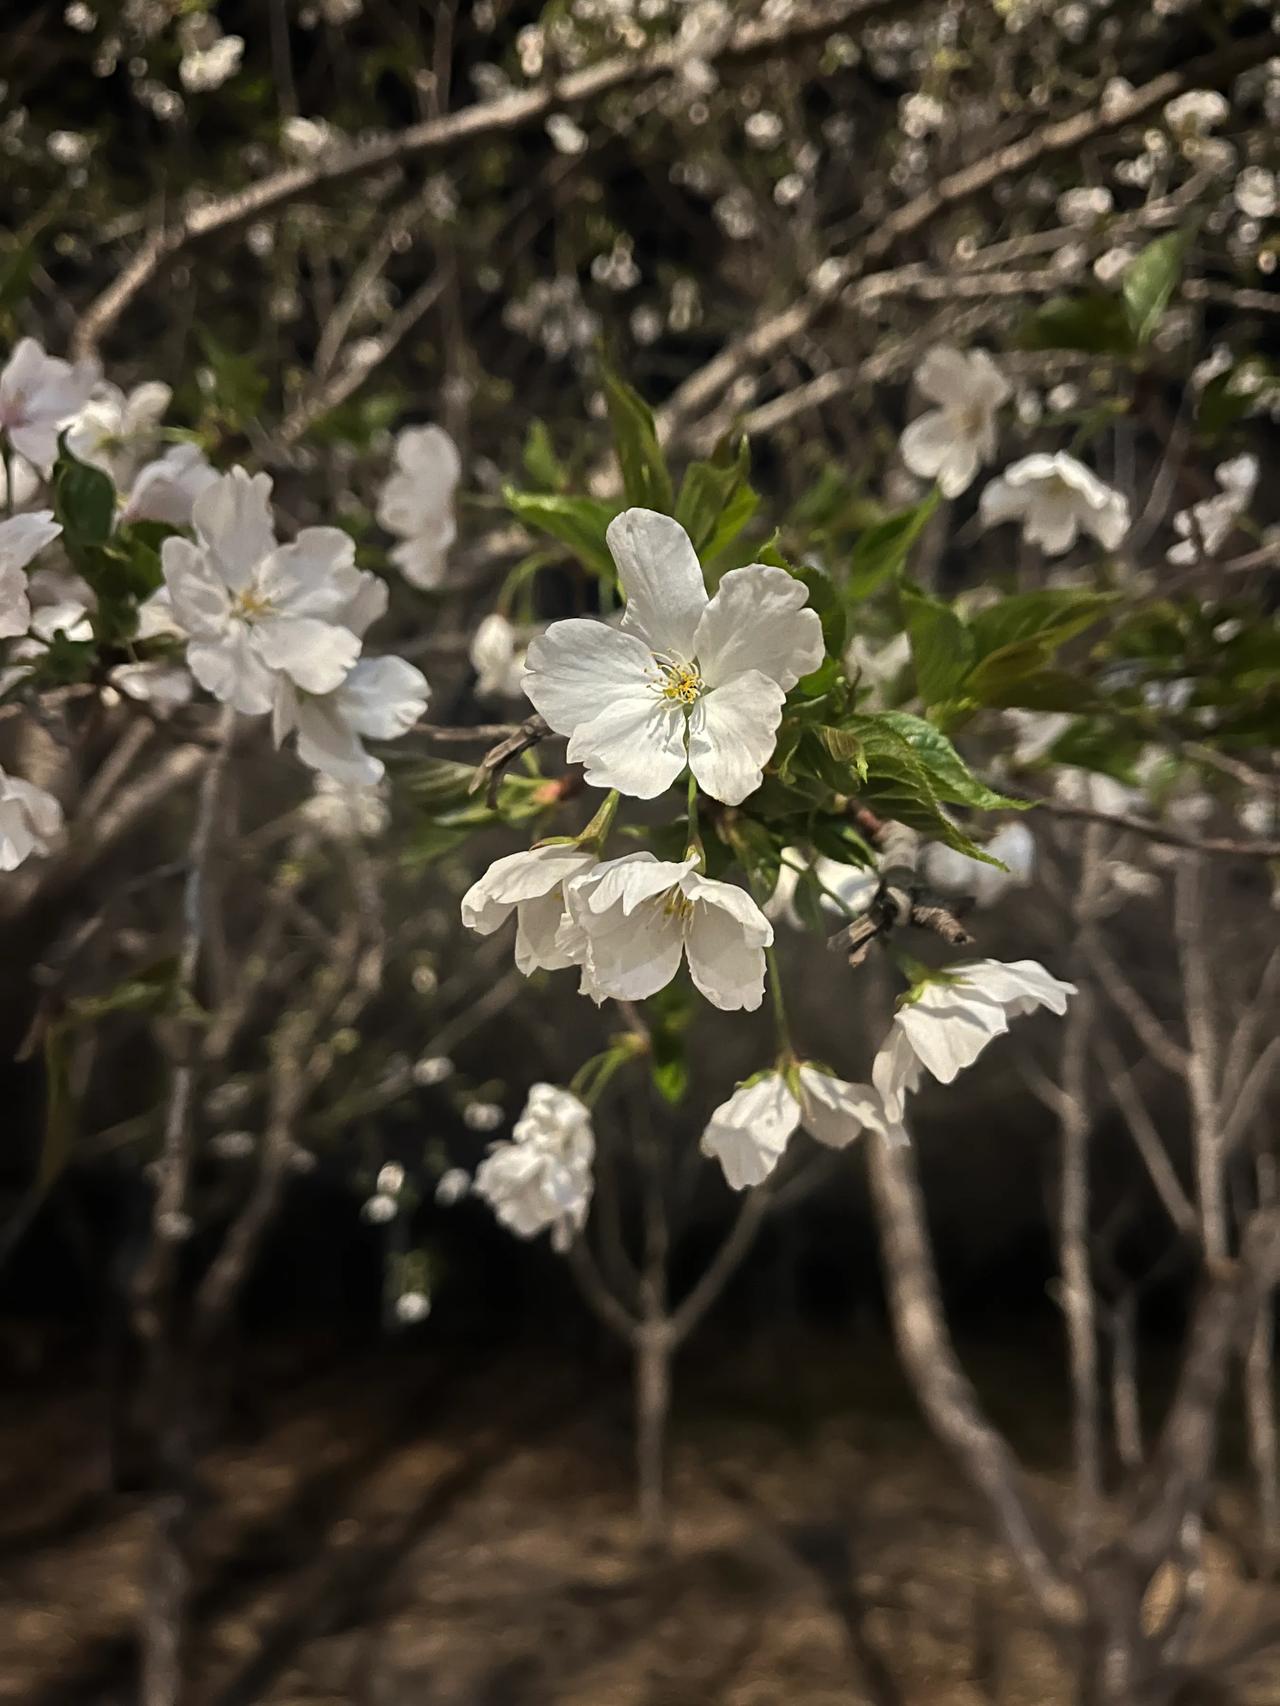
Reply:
x=250, y=604
x=677, y=905
x=680, y=681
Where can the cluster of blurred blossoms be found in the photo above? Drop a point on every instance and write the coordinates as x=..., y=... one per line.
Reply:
x=263, y=627
x=691, y=682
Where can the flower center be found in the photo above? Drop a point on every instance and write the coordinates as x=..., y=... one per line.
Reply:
x=679, y=681
x=249, y=605
x=677, y=905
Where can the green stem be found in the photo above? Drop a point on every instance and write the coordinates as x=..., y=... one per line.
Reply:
x=695, y=845
x=803, y=870
x=781, y=1024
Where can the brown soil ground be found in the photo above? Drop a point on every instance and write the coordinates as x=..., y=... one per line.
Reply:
x=394, y=1534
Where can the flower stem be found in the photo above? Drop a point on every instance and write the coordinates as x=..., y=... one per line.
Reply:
x=695, y=841
x=781, y=1024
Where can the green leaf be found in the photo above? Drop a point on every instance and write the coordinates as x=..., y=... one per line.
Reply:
x=645, y=479
x=847, y=749
x=882, y=551
x=84, y=500
x=951, y=777
x=579, y=523
x=1051, y=616
x=541, y=463
x=941, y=646
x=899, y=784
x=1149, y=281
x=1097, y=324
x=716, y=501
x=826, y=601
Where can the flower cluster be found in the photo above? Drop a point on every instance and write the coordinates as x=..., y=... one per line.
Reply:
x=541, y=1180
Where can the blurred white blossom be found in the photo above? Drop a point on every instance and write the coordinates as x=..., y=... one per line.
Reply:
x=39, y=395
x=30, y=818
x=541, y=1180
x=1054, y=497
x=416, y=503
x=749, y=1133
x=950, y=443
x=944, y=1023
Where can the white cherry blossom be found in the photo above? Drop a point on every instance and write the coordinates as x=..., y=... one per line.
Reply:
x=530, y=884
x=949, y=443
x=26, y=483
x=632, y=921
x=684, y=678
x=417, y=503
x=379, y=699
x=1205, y=528
x=542, y=1180
x=29, y=820
x=945, y=1023
x=39, y=395
x=254, y=608
x=22, y=537
x=163, y=686
x=117, y=431
x=749, y=1133
x=498, y=658
x=166, y=489
x=1054, y=497
x=956, y=873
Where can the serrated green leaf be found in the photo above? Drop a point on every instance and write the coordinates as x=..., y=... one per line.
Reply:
x=881, y=552
x=941, y=645
x=899, y=785
x=846, y=748
x=579, y=523
x=1149, y=281
x=952, y=780
x=645, y=479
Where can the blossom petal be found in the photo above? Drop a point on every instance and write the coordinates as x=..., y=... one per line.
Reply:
x=726, y=947
x=314, y=576
x=895, y=1072
x=328, y=742
x=23, y=536
x=636, y=745
x=630, y=957
x=749, y=1133
x=732, y=733
x=835, y=1112
x=538, y=924
x=757, y=620
x=578, y=667
x=232, y=519
x=228, y=667
x=943, y=376
x=661, y=577
x=198, y=598
x=927, y=443
x=316, y=655
x=950, y=1026
x=383, y=697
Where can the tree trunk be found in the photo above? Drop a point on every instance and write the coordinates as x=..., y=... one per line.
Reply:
x=161, y=1637
x=653, y=1348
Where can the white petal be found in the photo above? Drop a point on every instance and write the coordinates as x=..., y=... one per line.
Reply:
x=725, y=944
x=757, y=620
x=316, y=655
x=835, y=1112
x=944, y=376
x=383, y=698
x=732, y=733
x=315, y=576
x=927, y=443
x=1001, y=500
x=1052, y=524
x=230, y=669
x=959, y=467
x=423, y=559
x=636, y=745
x=328, y=743
x=232, y=519
x=749, y=1133
x=627, y=882
x=23, y=536
x=578, y=667
x=631, y=957
x=161, y=685
x=661, y=577
x=950, y=1026
x=896, y=1072
x=15, y=606
x=538, y=943
x=199, y=602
